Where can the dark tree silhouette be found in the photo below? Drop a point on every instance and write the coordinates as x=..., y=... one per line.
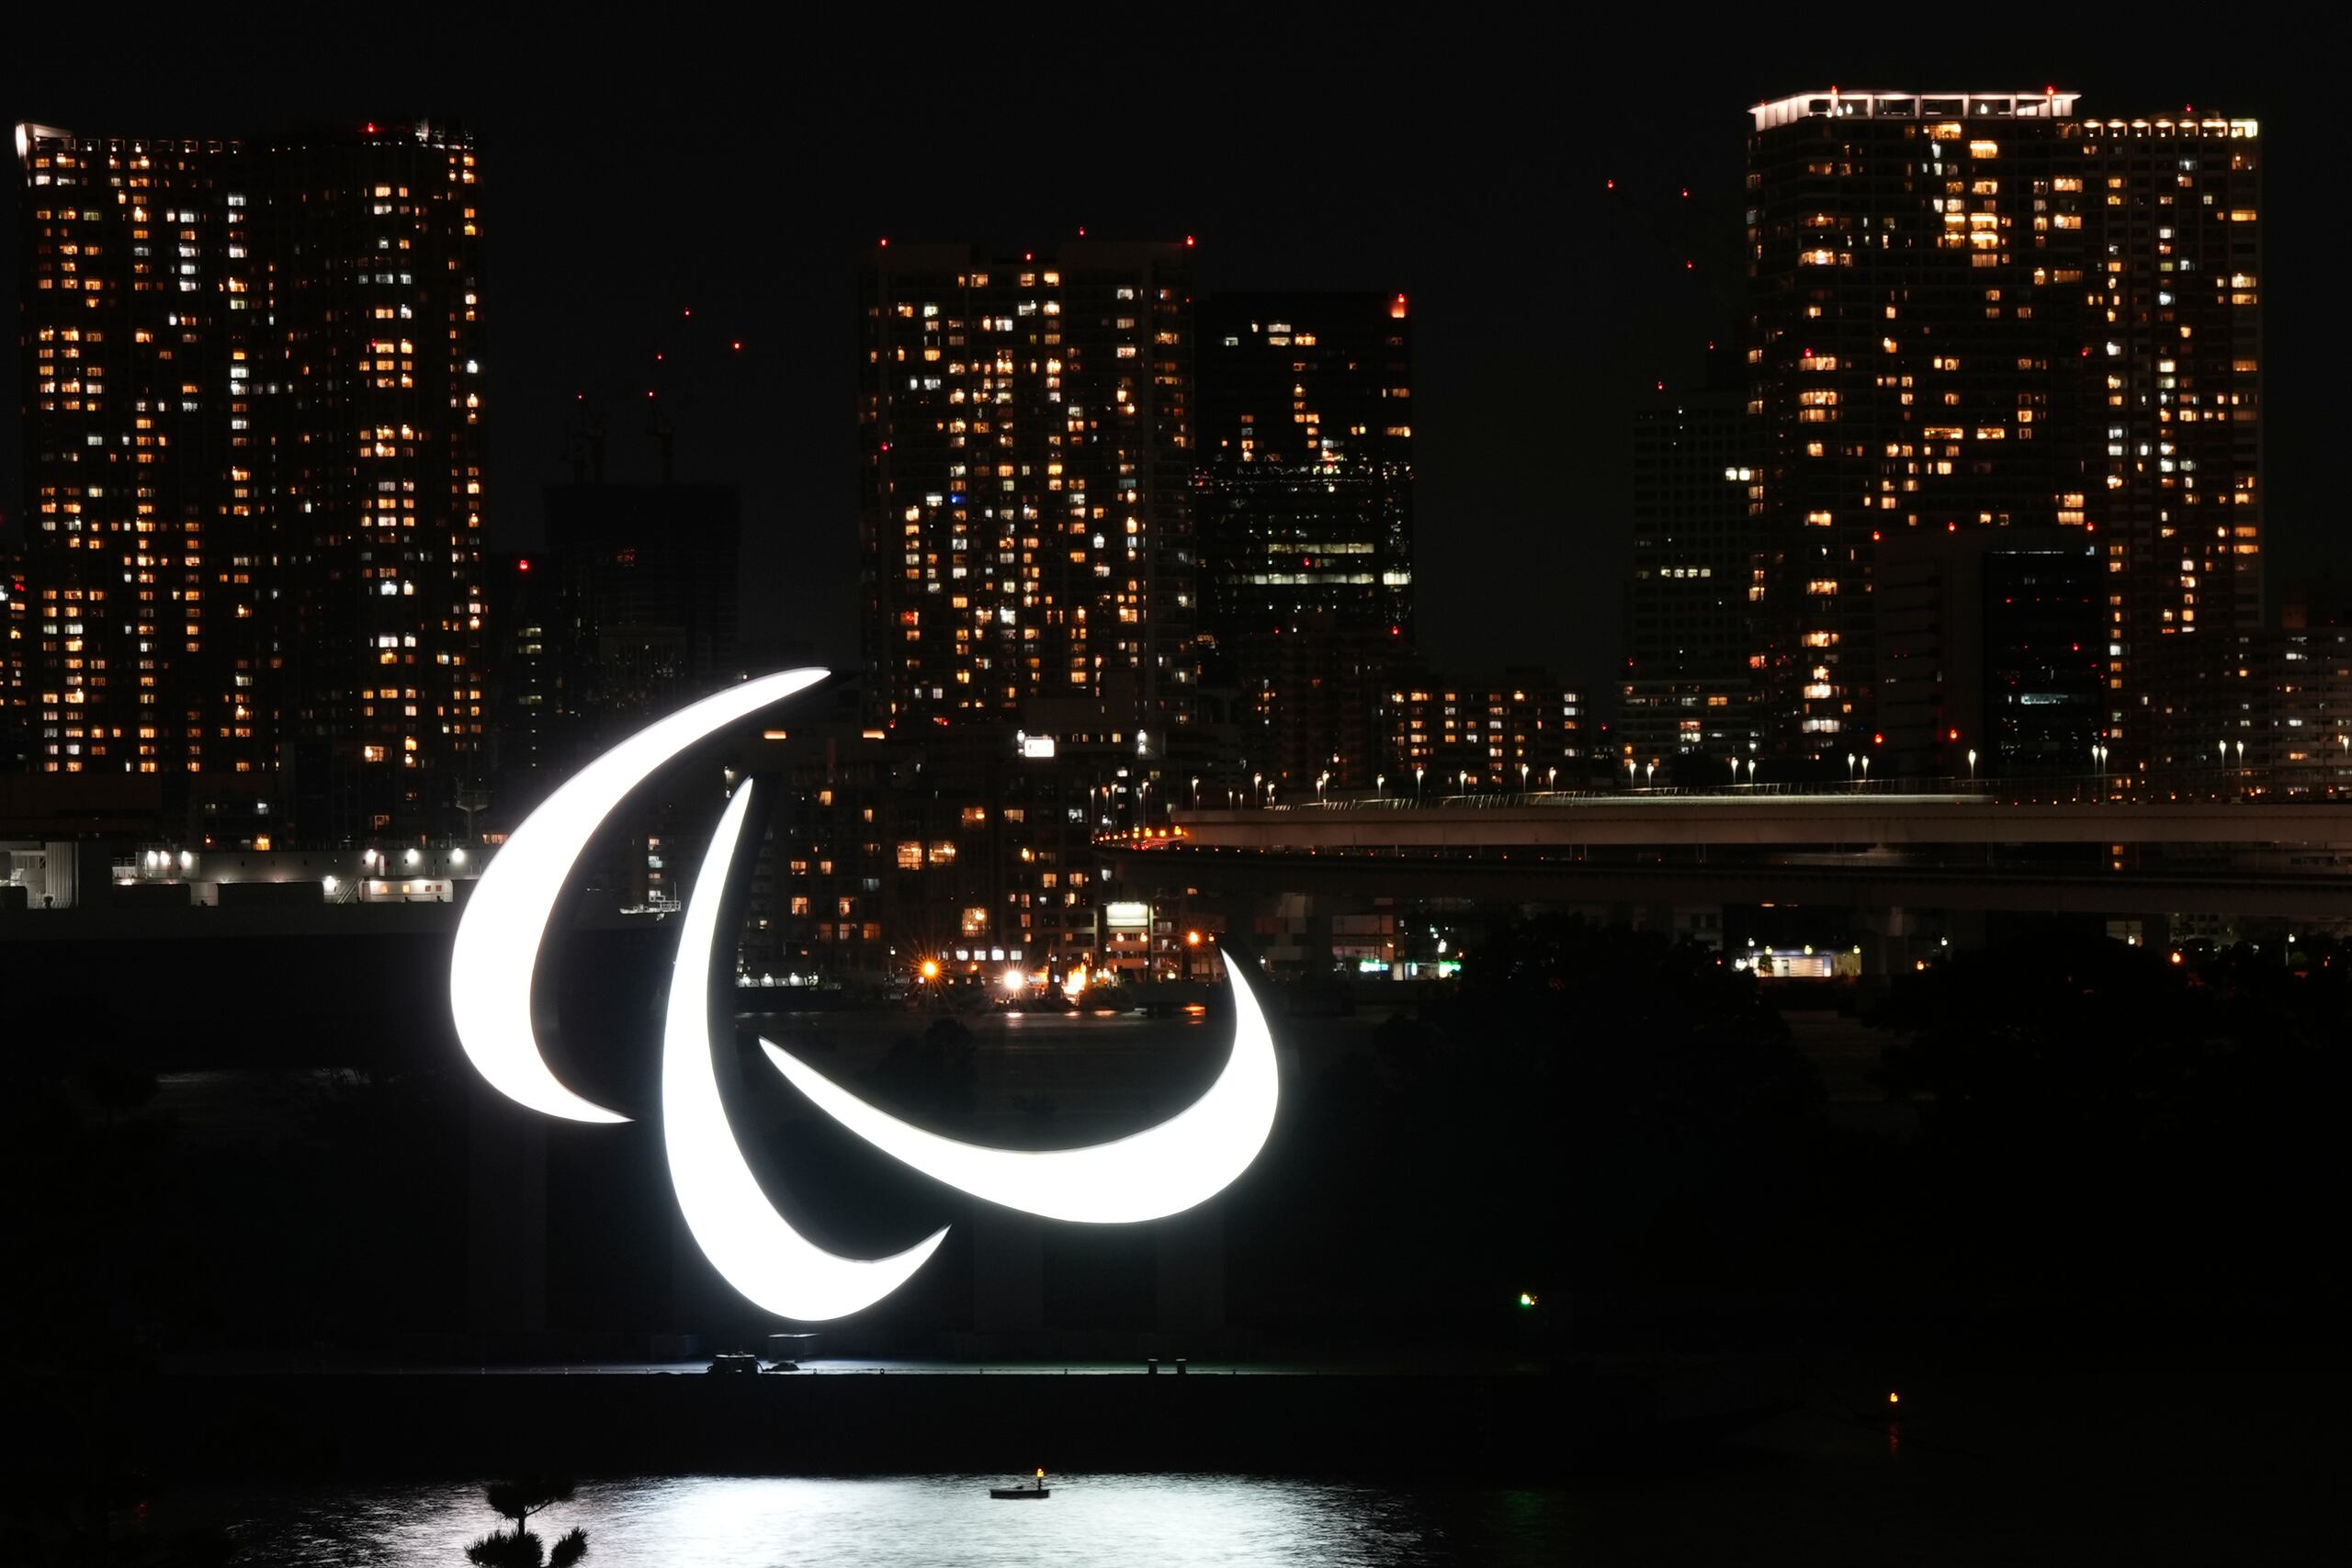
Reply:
x=518, y=1499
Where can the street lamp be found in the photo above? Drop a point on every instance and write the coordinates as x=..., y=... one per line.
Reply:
x=1416, y=784
x=1522, y=778
x=1255, y=780
x=1735, y=773
x=1630, y=768
x=1849, y=767
x=1971, y=764
x=1380, y=785
x=1866, y=767
x=1552, y=777
x=1196, y=792
x=1320, y=780
x=1649, y=780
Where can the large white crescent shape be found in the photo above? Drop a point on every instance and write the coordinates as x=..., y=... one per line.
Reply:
x=745, y=1239
x=1160, y=1171
x=498, y=941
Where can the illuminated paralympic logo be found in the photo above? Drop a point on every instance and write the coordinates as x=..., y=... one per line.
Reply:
x=1161, y=1170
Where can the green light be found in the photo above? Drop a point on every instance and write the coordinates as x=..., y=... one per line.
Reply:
x=1526, y=1299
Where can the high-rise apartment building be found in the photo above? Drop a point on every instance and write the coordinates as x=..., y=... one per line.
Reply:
x=1977, y=309
x=1917, y=272
x=2174, y=349
x=1688, y=685
x=145, y=539
x=1026, y=443
x=254, y=463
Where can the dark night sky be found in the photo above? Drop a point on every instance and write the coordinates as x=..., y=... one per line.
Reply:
x=633, y=175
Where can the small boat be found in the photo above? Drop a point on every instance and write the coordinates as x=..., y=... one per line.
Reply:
x=1037, y=1489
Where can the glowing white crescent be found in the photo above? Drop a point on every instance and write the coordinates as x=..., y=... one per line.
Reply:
x=498, y=941
x=746, y=1240
x=1161, y=1170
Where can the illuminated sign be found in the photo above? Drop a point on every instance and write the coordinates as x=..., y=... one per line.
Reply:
x=1128, y=916
x=1161, y=1170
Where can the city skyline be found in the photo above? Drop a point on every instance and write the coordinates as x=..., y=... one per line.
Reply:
x=1507, y=392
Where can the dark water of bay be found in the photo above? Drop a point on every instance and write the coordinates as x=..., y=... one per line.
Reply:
x=2138, y=1465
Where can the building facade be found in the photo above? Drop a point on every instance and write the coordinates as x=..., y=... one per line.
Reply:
x=1917, y=279
x=255, y=465
x=1026, y=449
x=2174, y=349
x=1688, y=686
x=648, y=576
x=1523, y=730
x=16, y=651
x=372, y=398
x=1981, y=310
x=1304, y=504
x=948, y=856
x=1305, y=495
x=1988, y=653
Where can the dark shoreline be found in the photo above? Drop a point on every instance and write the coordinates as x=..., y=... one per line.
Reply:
x=286, y=1427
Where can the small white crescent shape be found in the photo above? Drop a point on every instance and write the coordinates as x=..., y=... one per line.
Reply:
x=746, y=1240
x=498, y=941
x=1161, y=1170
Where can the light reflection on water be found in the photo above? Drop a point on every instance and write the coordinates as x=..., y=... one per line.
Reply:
x=1136, y=1522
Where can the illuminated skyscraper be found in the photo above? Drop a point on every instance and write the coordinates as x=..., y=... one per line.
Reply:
x=146, y=549
x=1305, y=508
x=1306, y=463
x=1026, y=441
x=1917, y=273
x=254, y=463
x=2174, y=349
x=1979, y=311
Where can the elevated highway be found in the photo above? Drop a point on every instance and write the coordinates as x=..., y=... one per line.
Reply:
x=1866, y=851
x=1761, y=820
